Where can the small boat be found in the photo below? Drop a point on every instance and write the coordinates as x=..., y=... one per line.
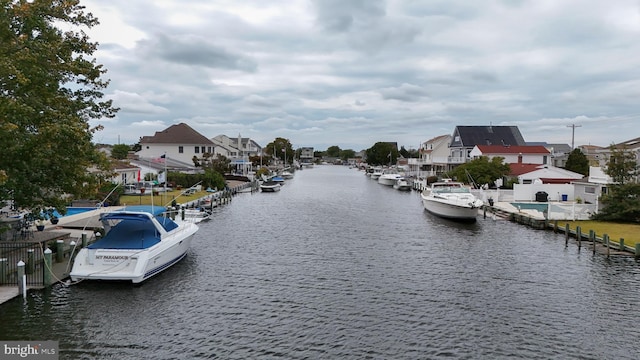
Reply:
x=270, y=186
x=452, y=200
x=286, y=175
x=389, y=178
x=278, y=179
x=402, y=184
x=139, y=242
x=195, y=215
x=377, y=172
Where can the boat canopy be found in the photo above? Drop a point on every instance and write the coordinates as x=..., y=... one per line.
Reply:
x=128, y=235
x=131, y=230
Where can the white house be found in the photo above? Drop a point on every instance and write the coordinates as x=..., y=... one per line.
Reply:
x=124, y=173
x=179, y=142
x=236, y=148
x=434, y=155
x=513, y=154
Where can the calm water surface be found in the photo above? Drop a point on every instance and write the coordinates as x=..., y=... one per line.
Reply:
x=337, y=266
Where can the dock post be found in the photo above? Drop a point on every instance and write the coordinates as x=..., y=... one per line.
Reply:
x=30, y=262
x=592, y=238
x=637, y=250
x=72, y=249
x=555, y=226
x=484, y=212
x=84, y=240
x=3, y=270
x=579, y=236
x=21, y=279
x=59, y=251
x=622, y=244
x=605, y=241
x=566, y=235
x=48, y=267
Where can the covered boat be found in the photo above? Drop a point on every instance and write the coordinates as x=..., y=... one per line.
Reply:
x=139, y=242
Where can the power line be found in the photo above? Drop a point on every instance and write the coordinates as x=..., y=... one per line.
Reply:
x=573, y=133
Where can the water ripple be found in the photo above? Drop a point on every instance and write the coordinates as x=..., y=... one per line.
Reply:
x=338, y=266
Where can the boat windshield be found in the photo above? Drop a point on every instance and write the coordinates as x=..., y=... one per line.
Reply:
x=450, y=188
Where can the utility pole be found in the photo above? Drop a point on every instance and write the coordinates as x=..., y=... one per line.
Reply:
x=573, y=133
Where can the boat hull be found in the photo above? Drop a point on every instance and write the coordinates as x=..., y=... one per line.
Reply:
x=450, y=211
x=134, y=265
x=388, y=180
x=270, y=186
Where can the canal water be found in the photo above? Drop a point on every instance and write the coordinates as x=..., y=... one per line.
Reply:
x=336, y=266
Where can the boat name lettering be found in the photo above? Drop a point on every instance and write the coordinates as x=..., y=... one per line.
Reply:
x=112, y=257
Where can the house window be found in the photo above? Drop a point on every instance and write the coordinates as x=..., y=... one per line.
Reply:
x=202, y=149
x=196, y=150
x=544, y=159
x=209, y=149
x=590, y=190
x=180, y=150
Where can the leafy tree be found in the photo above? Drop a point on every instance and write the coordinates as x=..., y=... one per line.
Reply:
x=220, y=164
x=382, y=153
x=50, y=88
x=120, y=151
x=333, y=151
x=347, y=154
x=622, y=166
x=481, y=170
x=577, y=162
x=621, y=204
x=276, y=147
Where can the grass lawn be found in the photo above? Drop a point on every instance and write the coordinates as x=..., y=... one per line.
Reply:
x=629, y=232
x=163, y=199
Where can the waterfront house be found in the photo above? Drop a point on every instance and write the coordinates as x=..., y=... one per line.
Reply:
x=513, y=154
x=433, y=160
x=465, y=138
x=236, y=148
x=179, y=142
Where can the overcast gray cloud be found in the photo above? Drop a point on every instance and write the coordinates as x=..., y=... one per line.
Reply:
x=352, y=73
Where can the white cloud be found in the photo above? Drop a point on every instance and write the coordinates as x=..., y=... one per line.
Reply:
x=325, y=73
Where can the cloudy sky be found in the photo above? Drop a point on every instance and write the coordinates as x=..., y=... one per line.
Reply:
x=354, y=72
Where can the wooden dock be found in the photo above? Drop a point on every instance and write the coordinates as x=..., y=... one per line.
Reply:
x=599, y=244
x=40, y=241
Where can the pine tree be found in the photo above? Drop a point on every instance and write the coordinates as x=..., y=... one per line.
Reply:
x=577, y=162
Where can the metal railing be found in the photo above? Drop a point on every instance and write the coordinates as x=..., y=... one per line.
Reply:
x=30, y=253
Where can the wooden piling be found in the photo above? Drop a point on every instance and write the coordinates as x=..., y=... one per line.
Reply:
x=31, y=262
x=621, y=244
x=605, y=241
x=3, y=270
x=592, y=238
x=21, y=289
x=48, y=268
x=579, y=236
x=59, y=251
x=638, y=250
x=566, y=235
